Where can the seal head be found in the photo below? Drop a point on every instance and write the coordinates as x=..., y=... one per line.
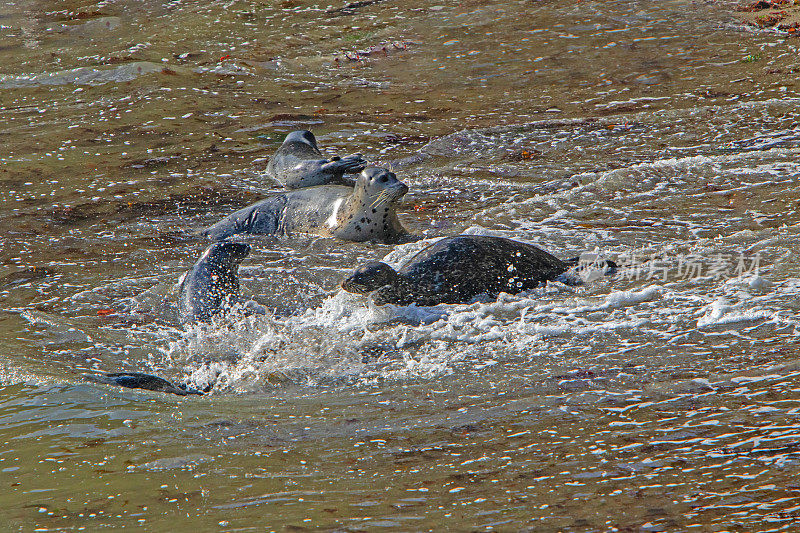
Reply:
x=299, y=163
x=370, y=277
x=302, y=137
x=212, y=283
x=371, y=211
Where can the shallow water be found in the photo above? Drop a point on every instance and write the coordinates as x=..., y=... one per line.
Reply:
x=661, y=134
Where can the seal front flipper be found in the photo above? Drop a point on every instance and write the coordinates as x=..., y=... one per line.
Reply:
x=138, y=380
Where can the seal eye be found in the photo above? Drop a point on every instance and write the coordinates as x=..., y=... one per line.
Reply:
x=383, y=179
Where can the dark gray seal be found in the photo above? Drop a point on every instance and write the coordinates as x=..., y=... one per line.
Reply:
x=457, y=269
x=137, y=380
x=212, y=283
x=299, y=163
x=366, y=212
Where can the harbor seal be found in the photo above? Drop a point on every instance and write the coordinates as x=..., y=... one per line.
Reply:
x=457, y=269
x=137, y=380
x=212, y=283
x=299, y=163
x=367, y=212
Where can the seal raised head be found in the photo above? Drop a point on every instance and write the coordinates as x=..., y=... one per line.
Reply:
x=456, y=270
x=299, y=163
x=365, y=212
x=212, y=283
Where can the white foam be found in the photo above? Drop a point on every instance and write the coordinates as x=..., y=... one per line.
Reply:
x=720, y=313
x=347, y=337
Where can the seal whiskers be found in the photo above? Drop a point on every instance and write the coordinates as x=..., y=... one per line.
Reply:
x=383, y=196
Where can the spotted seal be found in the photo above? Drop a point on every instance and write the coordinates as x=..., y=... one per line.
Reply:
x=457, y=269
x=137, y=380
x=366, y=212
x=299, y=163
x=212, y=283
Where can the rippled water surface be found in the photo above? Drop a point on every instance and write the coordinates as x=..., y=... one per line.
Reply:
x=660, y=133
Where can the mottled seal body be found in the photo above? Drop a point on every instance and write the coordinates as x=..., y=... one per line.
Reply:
x=456, y=270
x=366, y=212
x=212, y=283
x=299, y=163
x=137, y=380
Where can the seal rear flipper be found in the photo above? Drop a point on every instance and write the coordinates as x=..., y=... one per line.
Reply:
x=351, y=164
x=138, y=380
x=261, y=218
x=608, y=266
x=262, y=222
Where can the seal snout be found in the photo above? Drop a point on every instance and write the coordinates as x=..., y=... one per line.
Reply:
x=401, y=189
x=385, y=181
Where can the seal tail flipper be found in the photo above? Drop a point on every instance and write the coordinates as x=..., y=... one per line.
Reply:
x=351, y=164
x=609, y=267
x=261, y=218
